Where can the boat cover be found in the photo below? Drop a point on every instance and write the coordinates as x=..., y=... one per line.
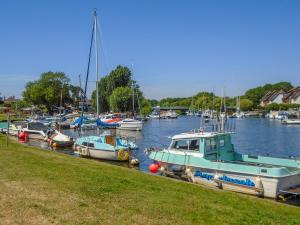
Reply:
x=103, y=124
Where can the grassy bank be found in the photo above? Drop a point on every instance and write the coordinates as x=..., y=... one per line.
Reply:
x=44, y=187
x=13, y=117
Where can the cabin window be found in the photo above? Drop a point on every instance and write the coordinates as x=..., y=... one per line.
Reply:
x=180, y=144
x=210, y=144
x=88, y=144
x=222, y=143
x=194, y=145
x=91, y=145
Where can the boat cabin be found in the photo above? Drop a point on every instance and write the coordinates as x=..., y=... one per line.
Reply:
x=212, y=146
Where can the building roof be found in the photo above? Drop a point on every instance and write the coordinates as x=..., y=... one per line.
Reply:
x=292, y=94
x=271, y=95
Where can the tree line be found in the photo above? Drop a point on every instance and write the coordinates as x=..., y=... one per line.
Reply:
x=118, y=88
x=250, y=100
x=116, y=92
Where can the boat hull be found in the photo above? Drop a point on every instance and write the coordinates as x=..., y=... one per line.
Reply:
x=291, y=122
x=130, y=126
x=98, y=153
x=269, y=187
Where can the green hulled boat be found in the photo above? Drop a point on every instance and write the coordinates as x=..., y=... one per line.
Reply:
x=209, y=158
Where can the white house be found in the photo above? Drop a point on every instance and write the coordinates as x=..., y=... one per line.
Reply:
x=272, y=97
x=292, y=96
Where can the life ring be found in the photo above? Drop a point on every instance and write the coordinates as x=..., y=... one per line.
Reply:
x=123, y=154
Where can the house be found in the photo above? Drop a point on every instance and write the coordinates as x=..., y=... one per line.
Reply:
x=292, y=96
x=10, y=100
x=272, y=97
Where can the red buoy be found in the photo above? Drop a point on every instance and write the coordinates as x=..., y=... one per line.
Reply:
x=153, y=168
x=22, y=135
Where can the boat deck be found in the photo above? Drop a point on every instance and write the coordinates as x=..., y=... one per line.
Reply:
x=264, y=165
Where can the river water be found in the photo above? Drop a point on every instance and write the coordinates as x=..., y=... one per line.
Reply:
x=252, y=136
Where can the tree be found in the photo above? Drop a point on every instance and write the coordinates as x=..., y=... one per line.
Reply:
x=45, y=92
x=272, y=106
x=76, y=93
x=119, y=77
x=246, y=104
x=146, y=107
x=121, y=99
x=255, y=94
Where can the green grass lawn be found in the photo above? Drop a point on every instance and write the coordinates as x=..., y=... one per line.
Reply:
x=44, y=187
x=3, y=117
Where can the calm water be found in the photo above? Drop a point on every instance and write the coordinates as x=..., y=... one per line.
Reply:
x=253, y=136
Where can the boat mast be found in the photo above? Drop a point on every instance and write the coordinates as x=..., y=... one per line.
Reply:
x=133, y=93
x=97, y=69
x=88, y=71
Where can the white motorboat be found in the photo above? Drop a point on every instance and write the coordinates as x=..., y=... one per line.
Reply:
x=130, y=124
x=35, y=130
x=171, y=114
x=291, y=121
x=58, y=139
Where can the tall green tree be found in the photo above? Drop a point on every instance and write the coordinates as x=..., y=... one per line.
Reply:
x=121, y=99
x=119, y=77
x=45, y=92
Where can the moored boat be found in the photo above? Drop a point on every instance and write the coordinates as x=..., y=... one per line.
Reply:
x=58, y=139
x=106, y=147
x=130, y=124
x=209, y=158
x=291, y=121
x=171, y=114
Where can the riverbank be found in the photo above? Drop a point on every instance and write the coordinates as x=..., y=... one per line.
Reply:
x=43, y=187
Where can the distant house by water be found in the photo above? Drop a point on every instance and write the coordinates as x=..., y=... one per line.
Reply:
x=272, y=97
x=10, y=100
x=292, y=96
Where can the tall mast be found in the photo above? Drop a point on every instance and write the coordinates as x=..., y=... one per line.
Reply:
x=133, y=97
x=133, y=92
x=88, y=71
x=97, y=69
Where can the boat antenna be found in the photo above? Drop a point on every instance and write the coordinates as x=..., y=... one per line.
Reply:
x=223, y=112
x=88, y=69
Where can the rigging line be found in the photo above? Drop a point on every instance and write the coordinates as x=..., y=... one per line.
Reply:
x=101, y=42
x=88, y=67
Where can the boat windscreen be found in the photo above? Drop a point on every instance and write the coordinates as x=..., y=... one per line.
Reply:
x=37, y=126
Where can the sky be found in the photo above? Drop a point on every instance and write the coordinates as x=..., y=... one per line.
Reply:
x=175, y=48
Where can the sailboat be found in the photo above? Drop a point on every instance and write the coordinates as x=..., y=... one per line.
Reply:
x=131, y=123
x=238, y=113
x=191, y=111
x=85, y=121
x=105, y=146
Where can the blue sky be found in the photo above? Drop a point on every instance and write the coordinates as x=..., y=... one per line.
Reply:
x=177, y=48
